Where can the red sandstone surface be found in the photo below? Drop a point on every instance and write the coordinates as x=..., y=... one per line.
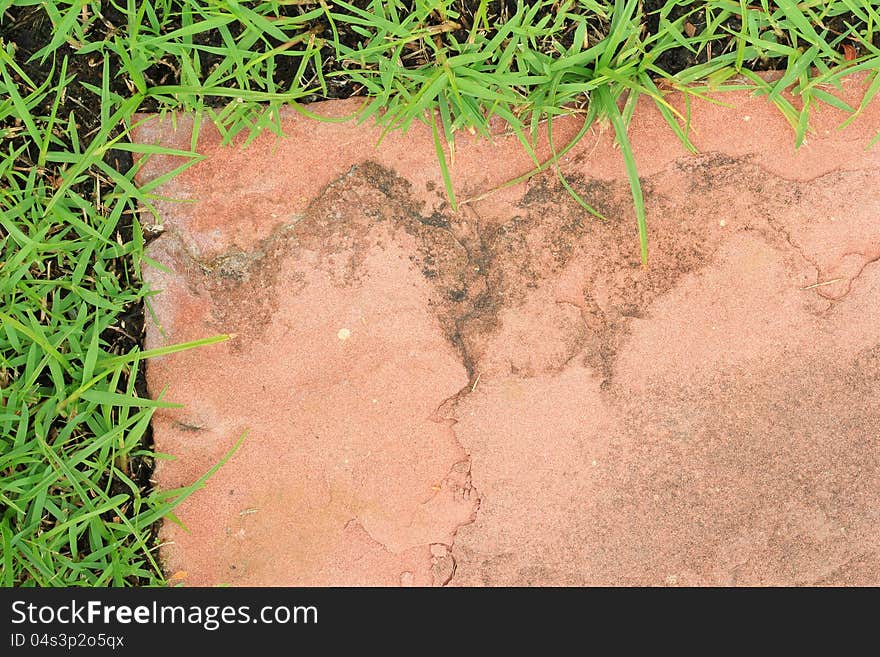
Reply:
x=502, y=395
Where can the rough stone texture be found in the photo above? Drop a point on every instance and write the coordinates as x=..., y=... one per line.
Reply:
x=501, y=394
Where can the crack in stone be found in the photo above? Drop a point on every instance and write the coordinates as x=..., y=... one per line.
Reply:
x=797, y=248
x=466, y=491
x=462, y=287
x=800, y=251
x=850, y=280
x=596, y=328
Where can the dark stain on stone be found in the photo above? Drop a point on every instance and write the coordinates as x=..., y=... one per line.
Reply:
x=477, y=268
x=436, y=220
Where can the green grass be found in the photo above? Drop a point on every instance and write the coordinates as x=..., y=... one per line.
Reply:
x=76, y=503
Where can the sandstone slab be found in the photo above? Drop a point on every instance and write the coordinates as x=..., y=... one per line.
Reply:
x=501, y=394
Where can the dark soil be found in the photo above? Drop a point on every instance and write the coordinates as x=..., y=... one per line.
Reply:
x=29, y=29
